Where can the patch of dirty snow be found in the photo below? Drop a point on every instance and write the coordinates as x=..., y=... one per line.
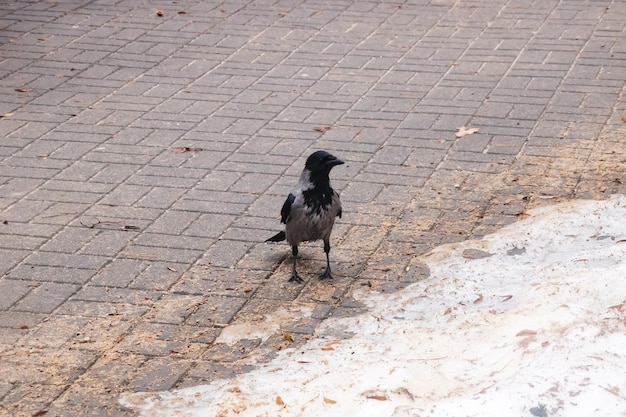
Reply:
x=536, y=325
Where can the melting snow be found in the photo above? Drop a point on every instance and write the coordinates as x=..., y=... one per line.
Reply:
x=535, y=327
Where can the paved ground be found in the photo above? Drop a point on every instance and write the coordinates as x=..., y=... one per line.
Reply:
x=146, y=148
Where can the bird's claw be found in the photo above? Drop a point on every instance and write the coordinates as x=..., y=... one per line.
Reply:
x=296, y=278
x=326, y=274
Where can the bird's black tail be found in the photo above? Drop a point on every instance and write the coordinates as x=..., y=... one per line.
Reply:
x=278, y=237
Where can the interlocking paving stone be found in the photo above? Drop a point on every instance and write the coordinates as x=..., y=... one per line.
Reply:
x=144, y=160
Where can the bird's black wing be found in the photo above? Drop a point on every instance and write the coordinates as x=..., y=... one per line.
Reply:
x=286, y=210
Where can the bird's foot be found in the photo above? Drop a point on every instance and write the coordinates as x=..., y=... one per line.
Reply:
x=296, y=278
x=326, y=274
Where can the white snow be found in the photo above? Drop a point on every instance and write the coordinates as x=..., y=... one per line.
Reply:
x=542, y=321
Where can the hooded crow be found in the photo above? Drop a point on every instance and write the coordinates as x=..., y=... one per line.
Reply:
x=310, y=209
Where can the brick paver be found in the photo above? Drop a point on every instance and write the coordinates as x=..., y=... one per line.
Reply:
x=146, y=149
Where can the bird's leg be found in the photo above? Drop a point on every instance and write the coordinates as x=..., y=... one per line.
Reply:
x=294, y=274
x=327, y=273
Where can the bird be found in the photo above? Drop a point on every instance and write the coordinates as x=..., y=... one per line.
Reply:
x=310, y=209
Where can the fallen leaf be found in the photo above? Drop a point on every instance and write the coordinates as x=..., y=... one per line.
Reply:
x=624, y=119
x=279, y=401
x=22, y=327
x=523, y=215
x=526, y=332
x=329, y=401
x=377, y=397
x=407, y=393
x=184, y=149
x=479, y=299
x=322, y=128
x=448, y=311
x=613, y=390
x=328, y=348
x=464, y=131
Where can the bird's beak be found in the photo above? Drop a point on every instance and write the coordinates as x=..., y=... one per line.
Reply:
x=334, y=162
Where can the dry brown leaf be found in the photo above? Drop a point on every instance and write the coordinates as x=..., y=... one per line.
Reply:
x=526, y=332
x=322, y=128
x=523, y=215
x=279, y=401
x=184, y=149
x=377, y=397
x=624, y=119
x=448, y=311
x=613, y=390
x=328, y=348
x=479, y=299
x=329, y=401
x=464, y=131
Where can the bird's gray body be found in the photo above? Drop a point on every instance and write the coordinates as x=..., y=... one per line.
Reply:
x=310, y=222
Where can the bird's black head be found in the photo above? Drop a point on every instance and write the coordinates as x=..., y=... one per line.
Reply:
x=322, y=161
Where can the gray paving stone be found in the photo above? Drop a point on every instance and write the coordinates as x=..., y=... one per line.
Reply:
x=119, y=273
x=45, y=298
x=70, y=240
